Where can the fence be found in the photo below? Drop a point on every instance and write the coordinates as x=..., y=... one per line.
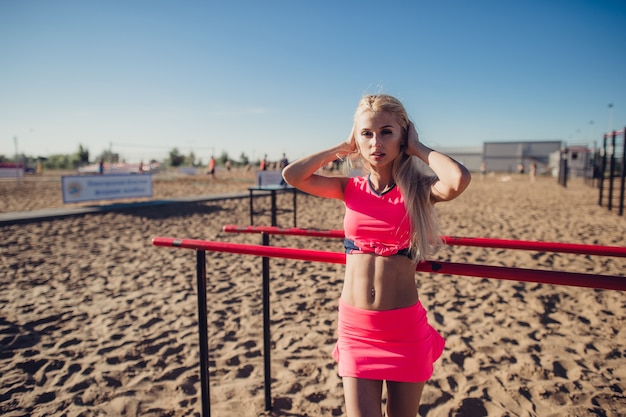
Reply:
x=608, y=171
x=449, y=268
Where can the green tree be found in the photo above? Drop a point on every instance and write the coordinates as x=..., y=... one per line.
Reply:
x=176, y=159
x=223, y=158
x=79, y=158
x=58, y=162
x=108, y=156
x=82, y=155
x=243, y=159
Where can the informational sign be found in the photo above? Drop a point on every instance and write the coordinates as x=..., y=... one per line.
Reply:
x=10, y=170
x=78, y=188
x=269, y=179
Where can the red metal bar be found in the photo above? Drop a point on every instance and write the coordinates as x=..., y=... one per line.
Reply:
x=269, y=251
x=575, y=279
x=617, y=251
x=607, y=282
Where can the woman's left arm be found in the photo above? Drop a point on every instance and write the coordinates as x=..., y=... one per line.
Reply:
x=452, y=177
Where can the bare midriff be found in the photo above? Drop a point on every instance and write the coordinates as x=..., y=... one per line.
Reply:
x=374, y=282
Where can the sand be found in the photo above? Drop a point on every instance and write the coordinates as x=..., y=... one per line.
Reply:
x=95, y=321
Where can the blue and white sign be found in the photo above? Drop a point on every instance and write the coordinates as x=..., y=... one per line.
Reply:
x=78, y=188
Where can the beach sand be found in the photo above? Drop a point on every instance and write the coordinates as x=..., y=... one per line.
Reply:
x=96, y=321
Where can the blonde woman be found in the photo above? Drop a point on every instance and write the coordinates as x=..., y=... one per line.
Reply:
x=389, y=224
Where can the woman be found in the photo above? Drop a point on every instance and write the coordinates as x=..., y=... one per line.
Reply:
x=390, y=224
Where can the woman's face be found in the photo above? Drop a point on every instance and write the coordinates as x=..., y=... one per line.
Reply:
x=379, y=137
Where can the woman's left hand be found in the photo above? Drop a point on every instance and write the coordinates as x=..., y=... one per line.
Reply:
x=413, y=145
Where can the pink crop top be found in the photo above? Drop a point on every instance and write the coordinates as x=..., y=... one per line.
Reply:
x=375, y=223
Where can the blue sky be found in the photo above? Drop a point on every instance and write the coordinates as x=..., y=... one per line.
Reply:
x=267, y=77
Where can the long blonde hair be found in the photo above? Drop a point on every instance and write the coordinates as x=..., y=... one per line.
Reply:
x=409, y=174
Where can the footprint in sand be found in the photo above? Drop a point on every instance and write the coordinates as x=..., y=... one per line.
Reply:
x=46, y=397
x=245, y=371
x=472, y=407
x=559, y=370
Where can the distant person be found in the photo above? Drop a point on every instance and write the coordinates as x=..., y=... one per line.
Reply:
x=533, y=171
x=101, y=166
x=483, y=170
x=283, y=162
x=281, y=165
x=389, y=224
x=521, y=169
x=263, y=164
x=211, y=167
x=228, y=165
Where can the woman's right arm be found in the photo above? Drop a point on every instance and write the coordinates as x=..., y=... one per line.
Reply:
x=301, y=173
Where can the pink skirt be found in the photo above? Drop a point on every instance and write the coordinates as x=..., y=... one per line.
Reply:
x=390, y=345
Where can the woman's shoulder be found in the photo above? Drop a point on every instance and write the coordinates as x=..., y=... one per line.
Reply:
x=355, y=184
x=352, y=180
x=361, y=179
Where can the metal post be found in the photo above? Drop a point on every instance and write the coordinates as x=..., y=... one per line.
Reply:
x=17, y=164
x=563, y=167
x=251, y=208
x=273, y=192
x=295, y=207
x=611, y=169
x=203, y=333
x=602, y=169
x=623, y=173
x=267, y=340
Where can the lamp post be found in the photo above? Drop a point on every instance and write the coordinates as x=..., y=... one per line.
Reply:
x=610, y=117
x=17, y=167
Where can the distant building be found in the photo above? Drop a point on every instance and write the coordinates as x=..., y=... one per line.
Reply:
x=578, y=160
x=470, y=157
x=510, y=156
